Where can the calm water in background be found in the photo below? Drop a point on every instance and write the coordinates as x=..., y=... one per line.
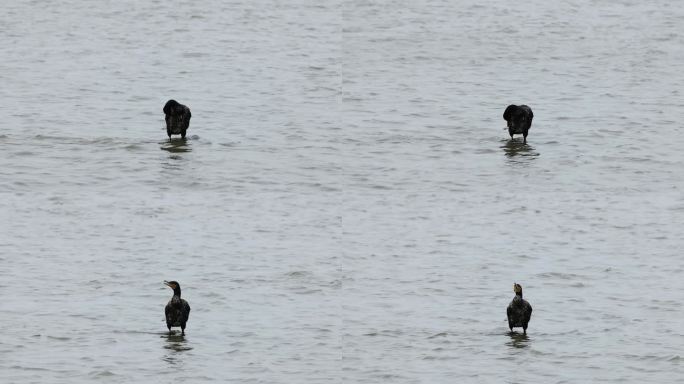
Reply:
x=349, y=207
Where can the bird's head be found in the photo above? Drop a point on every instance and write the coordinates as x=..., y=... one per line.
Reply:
x=175, y=286
x=517, y=289
x=510, y=110
x=170, y=107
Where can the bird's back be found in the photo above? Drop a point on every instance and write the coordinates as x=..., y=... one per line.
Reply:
x=519, y=118
x=177, y=117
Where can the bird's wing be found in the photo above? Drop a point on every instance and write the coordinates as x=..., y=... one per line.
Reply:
x=528, y=112
x=185, y=311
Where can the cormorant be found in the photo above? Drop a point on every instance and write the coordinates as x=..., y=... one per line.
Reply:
x=519, y=118
x=177, y=118
x=177, y=310
x=519, y=310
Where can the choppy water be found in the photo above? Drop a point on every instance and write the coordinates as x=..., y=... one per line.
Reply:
x=349, y=207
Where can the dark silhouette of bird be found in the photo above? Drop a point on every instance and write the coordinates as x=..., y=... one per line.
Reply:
x=519, y=118
x=177, y=118
x=177, y=310
x=519, y=310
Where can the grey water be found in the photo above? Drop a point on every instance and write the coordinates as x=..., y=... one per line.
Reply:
x=348, y=207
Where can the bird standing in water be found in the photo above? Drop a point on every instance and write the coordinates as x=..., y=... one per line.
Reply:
x=177, y=118
x=519, y=120
x=177, y=310
x=519, y=310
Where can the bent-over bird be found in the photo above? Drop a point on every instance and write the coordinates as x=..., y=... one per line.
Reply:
x=177, y=118
x=519, y=119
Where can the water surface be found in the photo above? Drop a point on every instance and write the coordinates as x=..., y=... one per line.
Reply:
x=348, y=206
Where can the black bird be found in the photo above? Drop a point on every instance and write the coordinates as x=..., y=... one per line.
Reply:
x=177, y=310
x=519, y=118
x=177, y=118
x=519, y=310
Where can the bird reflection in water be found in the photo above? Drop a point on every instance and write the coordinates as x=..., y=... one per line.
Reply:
x=175, y=345
x=176, y=146
x=518, y=340
x=518, y=152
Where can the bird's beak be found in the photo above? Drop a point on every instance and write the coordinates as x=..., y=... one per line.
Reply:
x=167, y=283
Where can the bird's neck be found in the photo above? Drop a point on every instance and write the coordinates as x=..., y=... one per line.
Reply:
x=177, y=292
x=517, y=294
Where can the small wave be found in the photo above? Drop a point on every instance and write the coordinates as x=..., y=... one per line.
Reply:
x=441, y=334
x=559, y=275
x=132, y=147
x=24, y=153
x=19, y=367
x=59, y=338
x=298, y=274
x=105, y=373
